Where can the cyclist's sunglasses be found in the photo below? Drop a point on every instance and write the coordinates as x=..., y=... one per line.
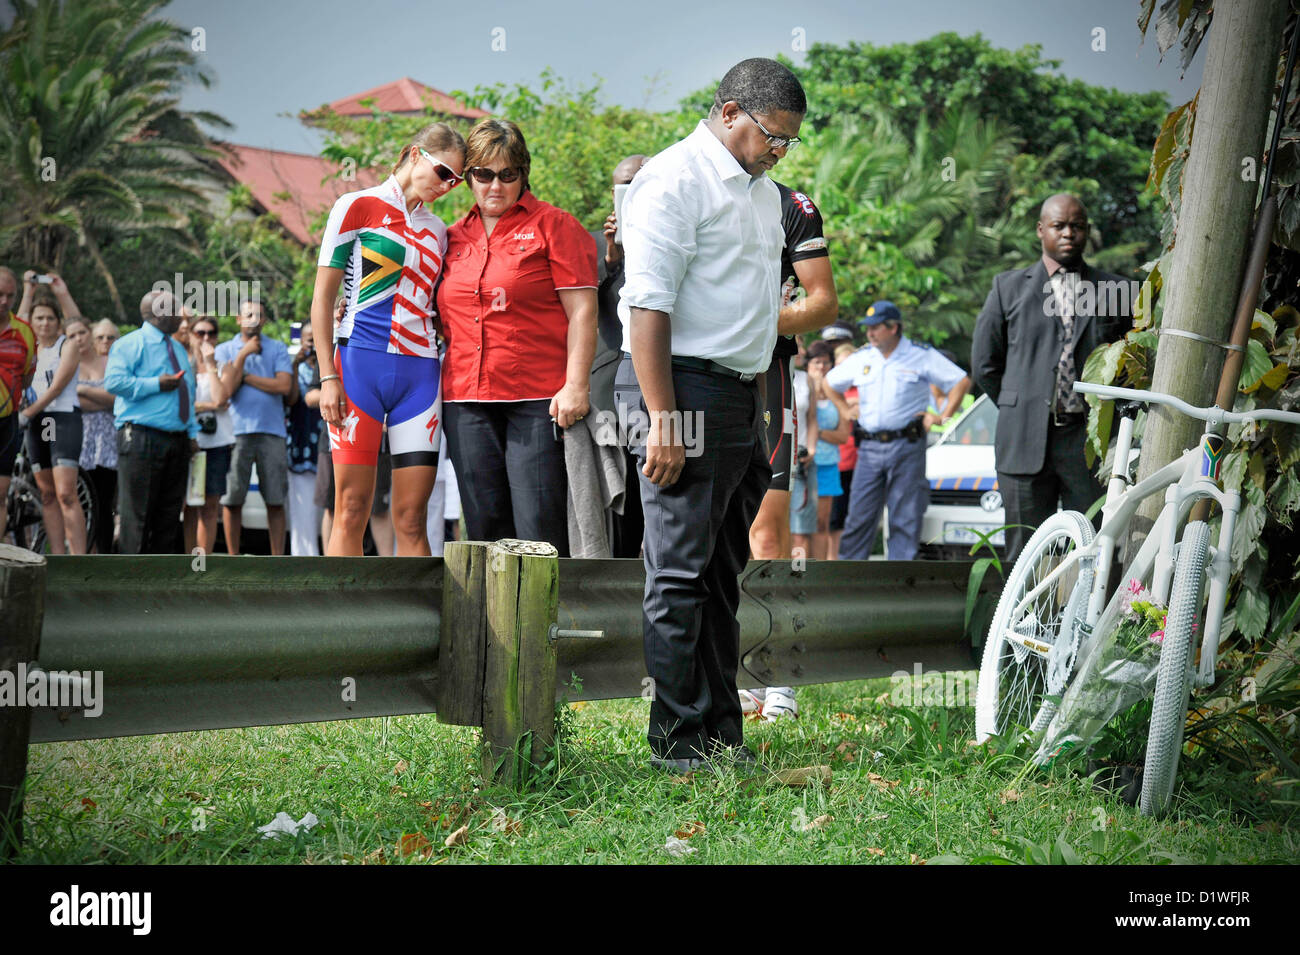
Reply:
x=445, y=172
x=484, y=175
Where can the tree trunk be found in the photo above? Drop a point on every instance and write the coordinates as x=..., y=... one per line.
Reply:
x=93, y=248
x=1214, y=225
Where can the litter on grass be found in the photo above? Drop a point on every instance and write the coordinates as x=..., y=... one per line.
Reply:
x=283, y=824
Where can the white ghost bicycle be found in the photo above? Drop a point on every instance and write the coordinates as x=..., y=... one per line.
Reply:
x=1054, y=612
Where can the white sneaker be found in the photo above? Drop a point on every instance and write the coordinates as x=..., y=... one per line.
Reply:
x=779, y=704
x=751, y=701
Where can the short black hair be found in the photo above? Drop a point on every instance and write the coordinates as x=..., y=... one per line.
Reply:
x=822, y=349
x=761, y=86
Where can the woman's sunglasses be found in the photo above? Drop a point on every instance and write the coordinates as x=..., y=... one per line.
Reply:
x=484, y=175
x=445, y=172
x=204, y=332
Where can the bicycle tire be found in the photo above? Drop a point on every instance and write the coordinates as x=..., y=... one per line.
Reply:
x=1013, y=685
x=1173, y=679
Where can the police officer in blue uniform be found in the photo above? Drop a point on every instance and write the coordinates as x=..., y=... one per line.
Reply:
x=893, y=376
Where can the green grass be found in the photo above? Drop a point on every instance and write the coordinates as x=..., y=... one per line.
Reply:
x=928, y=795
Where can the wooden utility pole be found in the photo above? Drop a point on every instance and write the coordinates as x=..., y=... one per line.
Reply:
x=1215, y=221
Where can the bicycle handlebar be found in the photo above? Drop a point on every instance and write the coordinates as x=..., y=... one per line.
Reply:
x=1212, y=415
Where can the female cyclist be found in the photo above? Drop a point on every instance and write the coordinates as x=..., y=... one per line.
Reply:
x=53, y=420
x=386, y=249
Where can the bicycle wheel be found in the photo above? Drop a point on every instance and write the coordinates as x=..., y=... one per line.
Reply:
x=1173, y=679
x=1029, y=654
x=85, y=497
x=25, y=528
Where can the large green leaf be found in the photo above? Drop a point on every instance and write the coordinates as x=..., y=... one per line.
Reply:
x=1256, y=366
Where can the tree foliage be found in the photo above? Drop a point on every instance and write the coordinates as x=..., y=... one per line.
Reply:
x=574, y=141
x=1100, y=138
x=93, y=142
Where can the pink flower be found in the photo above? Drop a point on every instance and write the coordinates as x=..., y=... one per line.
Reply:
x=1158, y=636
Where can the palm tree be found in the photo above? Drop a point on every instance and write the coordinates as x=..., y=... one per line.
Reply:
x=93, y=141
x=925, y=219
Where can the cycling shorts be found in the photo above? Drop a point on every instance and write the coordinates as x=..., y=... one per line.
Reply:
x=404, y=389
x=54, y=440
x=779, y=421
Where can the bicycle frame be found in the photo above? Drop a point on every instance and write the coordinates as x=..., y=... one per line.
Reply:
x=1185, y=480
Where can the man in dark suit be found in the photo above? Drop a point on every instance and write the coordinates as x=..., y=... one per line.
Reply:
x=1037, y=328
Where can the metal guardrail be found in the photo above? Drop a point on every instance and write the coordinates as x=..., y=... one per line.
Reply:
x=253, y=641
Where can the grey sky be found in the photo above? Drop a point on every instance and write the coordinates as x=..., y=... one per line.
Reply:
x=275, y=57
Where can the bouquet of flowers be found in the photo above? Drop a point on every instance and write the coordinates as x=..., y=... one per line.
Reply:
x=1141, y=630
x=1119, y=675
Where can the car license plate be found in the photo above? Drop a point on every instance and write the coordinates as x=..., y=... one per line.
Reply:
x=954, y=533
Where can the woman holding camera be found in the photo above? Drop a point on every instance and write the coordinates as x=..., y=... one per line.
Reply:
x=216, y=438
x=518, y=299
x=53, y=413
x=385, y=248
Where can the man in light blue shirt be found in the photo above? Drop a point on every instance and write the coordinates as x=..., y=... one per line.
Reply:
x=258, y=374
x=893, y=377
x=154, y=414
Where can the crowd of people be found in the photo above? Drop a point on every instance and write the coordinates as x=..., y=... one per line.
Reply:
x=499, y=349
x=165, y=477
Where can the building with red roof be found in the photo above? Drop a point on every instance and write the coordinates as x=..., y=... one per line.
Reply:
x=298, y=188
x=294, y=187
x=405, y=97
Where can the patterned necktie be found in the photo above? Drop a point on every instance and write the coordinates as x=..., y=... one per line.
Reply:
x=1066, y=400
x=182, y=389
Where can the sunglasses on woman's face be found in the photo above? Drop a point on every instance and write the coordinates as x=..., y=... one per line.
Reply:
x=205, y=332
x=445, y=172
x=484, y=175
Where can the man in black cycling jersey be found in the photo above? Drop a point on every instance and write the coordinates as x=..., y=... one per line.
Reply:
x=809, y=303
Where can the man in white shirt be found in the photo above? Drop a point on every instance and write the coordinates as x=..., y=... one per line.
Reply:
x=702, y=240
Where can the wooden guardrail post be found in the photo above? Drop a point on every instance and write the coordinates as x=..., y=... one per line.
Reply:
x=496, y=660
x=22, y=606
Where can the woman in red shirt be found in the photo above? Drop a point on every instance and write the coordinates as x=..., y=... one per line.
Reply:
x=518, y=306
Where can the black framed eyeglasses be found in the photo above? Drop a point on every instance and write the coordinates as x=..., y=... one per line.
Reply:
x=204, y=332
x=788, y=143
x=484, y=175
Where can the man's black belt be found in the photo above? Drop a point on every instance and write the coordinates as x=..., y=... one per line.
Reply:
x=1065, y=419
x=913, y=432
x=147, y=427
x=707, y=365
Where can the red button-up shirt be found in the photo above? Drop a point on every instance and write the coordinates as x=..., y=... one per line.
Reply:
x=506, y=329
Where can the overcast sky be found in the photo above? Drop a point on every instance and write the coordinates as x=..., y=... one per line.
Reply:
x=275, y=57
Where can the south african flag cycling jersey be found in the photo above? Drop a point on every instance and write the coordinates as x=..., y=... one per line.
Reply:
x=391, y=259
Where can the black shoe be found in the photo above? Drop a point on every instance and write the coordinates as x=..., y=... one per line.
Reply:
x=680, y=766
x=740, y=758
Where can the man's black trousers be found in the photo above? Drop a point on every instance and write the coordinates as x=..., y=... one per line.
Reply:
x=696, y=546
x=152, y=469
x=1030, y=499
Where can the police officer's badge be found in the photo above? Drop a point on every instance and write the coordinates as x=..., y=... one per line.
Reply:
x=767, y=418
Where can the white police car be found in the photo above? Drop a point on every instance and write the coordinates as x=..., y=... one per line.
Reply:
x=964, y=497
